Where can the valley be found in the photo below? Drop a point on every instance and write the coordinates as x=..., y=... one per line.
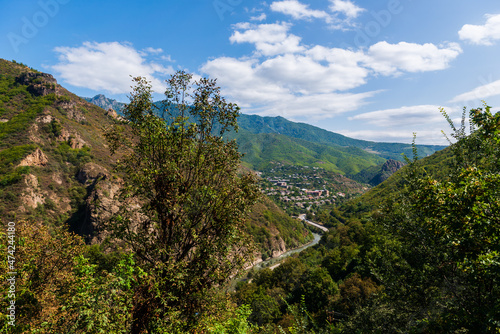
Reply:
x=151, y=218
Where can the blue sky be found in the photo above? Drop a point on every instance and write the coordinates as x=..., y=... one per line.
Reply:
x=375, y=70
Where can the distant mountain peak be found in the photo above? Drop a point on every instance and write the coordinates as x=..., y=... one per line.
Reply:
x=105, y=103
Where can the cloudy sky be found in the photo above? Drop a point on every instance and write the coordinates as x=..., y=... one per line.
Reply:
x=375, y=70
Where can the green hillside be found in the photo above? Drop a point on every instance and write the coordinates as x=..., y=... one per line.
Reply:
x=279, y=125
x=416, y=254
x=261, y=149
x=436, y=165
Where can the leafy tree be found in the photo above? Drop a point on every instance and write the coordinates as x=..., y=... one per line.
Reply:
x=237, y=324
x=318, y=289
x=58, y=290
x=183, y=201
x=441, y=269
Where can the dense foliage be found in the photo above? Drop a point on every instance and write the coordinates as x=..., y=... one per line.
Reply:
x=441, y=269
x=426, y=261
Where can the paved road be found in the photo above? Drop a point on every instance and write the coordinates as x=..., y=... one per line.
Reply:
x=303, y=218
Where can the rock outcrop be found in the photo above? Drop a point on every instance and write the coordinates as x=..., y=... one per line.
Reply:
x=101, y=202
x=105, y=103
x=74, y=140
x=388, y=168
x=91, y=173
x=31, y=196
x=37, y=158
x=111, y=113
x=39, y=84
x=278, y=247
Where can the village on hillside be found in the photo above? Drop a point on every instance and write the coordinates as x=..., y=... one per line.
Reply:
x=304, y=187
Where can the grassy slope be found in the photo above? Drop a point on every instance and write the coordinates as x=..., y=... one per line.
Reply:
x=21, y=134
x=267, y=223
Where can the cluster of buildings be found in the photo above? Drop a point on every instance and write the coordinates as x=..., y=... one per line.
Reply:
x=300, y=197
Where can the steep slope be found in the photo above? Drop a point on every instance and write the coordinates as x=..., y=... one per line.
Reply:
x=374, y=175
x=436, y=165
x=47, y=135
x=55, y=165
x=274, y=231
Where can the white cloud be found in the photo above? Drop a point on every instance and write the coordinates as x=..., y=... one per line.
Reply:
x=298, y=10
x=399, y=124
x=393, y=59
x=261, y=17
x=269, y=39
x=166, y=58
x=107, y=66
x=424, y=136
x=346, y=7
x=240, y=81
x=257, y=89
x=482, y=35
x=305, y=75
x=316, y=106
x=285, y=77
x=153, y=50
x=404, y=116
x=479, y=93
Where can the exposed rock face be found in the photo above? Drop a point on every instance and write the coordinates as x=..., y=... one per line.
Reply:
x=74, y=139
x=111, y=113
x=388, y=168
x=44, y=119
x=105, y=103
x=31, y=181
x=57, y=178
x=37, y=158
x=72, y=111
x=39, y=84
x=28, y=77
x=392, y=166
x=278, y=247
x=76, y=115
x=91, y=172
x=101, y=202
x=31, y=196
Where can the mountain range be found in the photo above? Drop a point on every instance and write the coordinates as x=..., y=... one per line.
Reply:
x=263, y=140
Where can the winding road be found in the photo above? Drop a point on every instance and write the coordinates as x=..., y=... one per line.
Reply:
x=303, y=218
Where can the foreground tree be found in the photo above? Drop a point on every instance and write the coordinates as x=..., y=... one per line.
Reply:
x=183, y=202
x=441, y=267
